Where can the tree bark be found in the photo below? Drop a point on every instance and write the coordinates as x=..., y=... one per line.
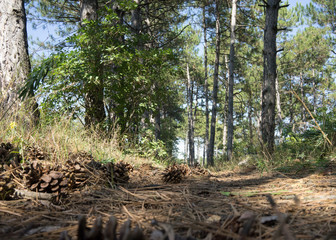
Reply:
x=250, y=147
x=225, y=108
x=231, y=81
x=210, y=154
x=291, y=103
x=190, y=118
x=136, y=18
x=278, y=106
x=94, y=92
x=206, y=87
x=157, y=126
x=268, y=92
x=303, y=116
x=14, y=58
x=88, y=10
x=186, y=145
x=314, y=92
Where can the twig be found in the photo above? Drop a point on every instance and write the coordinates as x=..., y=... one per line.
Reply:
x=317, y=125
x=34, y=195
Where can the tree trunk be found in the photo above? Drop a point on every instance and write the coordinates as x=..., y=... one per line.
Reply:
x=14, y=58
x=88, y=10
x=136, y=18
x=190, y=118
x=303, y=116
x=210, y=154
x=231, y=81
x=259, y=120
x=314, y=92
x=268, y=93
x=291, y=103
x=198, y=156
x=94, y=92
x=225, y=109
x=206, y=87
x=278, y=106
x=157, y=126
x=250, y=147
x=186, y=146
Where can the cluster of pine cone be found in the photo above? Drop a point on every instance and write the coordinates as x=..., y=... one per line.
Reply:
x=118, y=172
x=6, y=183
x=175, y=173
x=37, y=175
x=7, y=154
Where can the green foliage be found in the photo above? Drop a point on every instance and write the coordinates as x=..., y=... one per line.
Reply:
x=150, y=148
x=137, y=80
x=310, y=143
x=142, y=75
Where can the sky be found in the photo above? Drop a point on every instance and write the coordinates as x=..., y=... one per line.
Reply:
x=43, y=33
x=292, y=3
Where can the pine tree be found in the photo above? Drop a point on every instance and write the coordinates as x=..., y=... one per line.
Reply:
x=270, y=68
x=14, y=59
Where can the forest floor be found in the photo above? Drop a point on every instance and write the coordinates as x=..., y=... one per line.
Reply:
x=229, y=205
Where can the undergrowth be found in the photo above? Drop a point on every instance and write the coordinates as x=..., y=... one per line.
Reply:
x=60, y=136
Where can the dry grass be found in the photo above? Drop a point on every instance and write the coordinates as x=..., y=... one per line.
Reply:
x=58, y=138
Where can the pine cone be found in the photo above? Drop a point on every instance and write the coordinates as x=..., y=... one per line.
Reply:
x=34, y=153
x=6, y=183
x=76, y=170
x=30, y=173
x=41, y=178
x=198, y=170
x=175, y=173
x=119, y=171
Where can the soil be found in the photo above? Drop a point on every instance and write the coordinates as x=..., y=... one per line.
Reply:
x=229, y=205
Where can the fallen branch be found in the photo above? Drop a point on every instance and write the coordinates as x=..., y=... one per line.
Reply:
x=317, y=125
x=34, y=195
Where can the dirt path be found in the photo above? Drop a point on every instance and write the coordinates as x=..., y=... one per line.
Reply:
x=228, y=205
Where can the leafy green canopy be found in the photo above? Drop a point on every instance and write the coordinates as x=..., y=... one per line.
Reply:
x=136, y=80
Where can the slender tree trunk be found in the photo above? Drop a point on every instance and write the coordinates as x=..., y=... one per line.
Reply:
x=94, y=98
x=323, y=92
x=291, y=103
x=190, y=118
x=14, y=58
x=224, y=132
x=194, y=119
x=260, y=115
x=303, y=116
x=268, y=93
x=314, y=92
x=231, y=81
x=210, y=154
x=157, y=126
x=278, y=106
x=198, y=157
x=186, y=145
x=225, y=109
x=206, y=87
x=250, y=123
